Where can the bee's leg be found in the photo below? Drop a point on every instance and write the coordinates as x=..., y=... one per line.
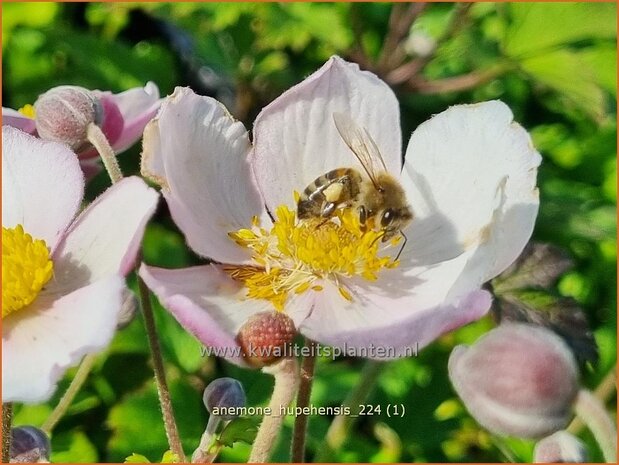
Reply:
x=328, y=209
x=401, y=248
x=363, y=217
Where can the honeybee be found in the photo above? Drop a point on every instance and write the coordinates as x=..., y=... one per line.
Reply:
x=378, y=197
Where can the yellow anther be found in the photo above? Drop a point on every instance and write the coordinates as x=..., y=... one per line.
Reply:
x=26, y=268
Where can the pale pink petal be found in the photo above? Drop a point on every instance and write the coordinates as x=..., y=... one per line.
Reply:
x=295, y=138
x=399, y=295
x=41, y=341
x=15, y=119
x=470, y=176
x=137, y=107
x=42, y=185
x=393, y=339
x=197, y=152
x=209, y=304
x=105, y=238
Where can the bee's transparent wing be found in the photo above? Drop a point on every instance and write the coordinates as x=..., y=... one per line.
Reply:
x=362, y=145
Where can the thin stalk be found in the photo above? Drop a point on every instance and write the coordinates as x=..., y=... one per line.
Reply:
x=402, y=17
x=342, y=424
x=160, y=379
x=100, y=142
x=203, y=454
x=303, y=398
x=593, y=413
x=86, y=366
x=7, y=421
x=106, y=152
x=603, y=392
x=459, y=83
x=286, y=374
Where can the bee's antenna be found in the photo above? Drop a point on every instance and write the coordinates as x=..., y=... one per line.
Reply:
x=401, y=248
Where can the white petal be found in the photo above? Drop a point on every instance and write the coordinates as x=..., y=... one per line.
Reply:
x=295, y=138
x=42, y=185
x=209, y=304
x=197, y=152
x=40, y=342
x=105, y=238
x=470, y=175
x=399, y=295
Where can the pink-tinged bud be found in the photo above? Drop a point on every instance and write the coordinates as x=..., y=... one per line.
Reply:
x=517, y=380
x=62, y=114
x=265, y=336
x=560, y=447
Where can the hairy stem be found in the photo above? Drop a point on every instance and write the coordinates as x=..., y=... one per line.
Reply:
x=593, y=413
x=458, y=83
x=286, y=374
x=203, y=454
x=603, y=392
x=98, y=139
x=7, y=420
x=160, y=379
x=86, y=366
x=342, y=424
x=303, y=399
x=106, y=152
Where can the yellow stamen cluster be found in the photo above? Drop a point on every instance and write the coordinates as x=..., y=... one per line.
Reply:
x=27, y=110
x=26, y=268
x=295, y=254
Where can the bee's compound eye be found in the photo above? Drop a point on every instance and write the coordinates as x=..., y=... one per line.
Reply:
x=387, y=218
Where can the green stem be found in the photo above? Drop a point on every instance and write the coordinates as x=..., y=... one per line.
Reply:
x=342, y=424
x=106, y=152
x=100, y=142
x=603, y=391
x=286, y=374
x=86, y=366
x=7, y=420
x=160, y=379
x=303, y=397
x=593, y=413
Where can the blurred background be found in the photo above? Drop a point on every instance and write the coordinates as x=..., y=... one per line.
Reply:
x=554, y=64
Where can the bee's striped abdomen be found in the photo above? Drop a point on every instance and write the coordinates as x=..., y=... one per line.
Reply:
x=328, y=192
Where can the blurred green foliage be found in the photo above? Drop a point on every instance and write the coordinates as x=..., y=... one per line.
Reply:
x=554, y=64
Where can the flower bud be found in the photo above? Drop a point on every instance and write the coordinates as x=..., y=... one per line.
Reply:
x=265, y=337
x=560, y=447
x=517, y=380
x=127, y=311
x=64, y=113
x=224, y=392
x=29, y=445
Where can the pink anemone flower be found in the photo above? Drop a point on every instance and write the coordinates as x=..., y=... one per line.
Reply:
x=62, y=277
x=469, y=178
x=124, y=117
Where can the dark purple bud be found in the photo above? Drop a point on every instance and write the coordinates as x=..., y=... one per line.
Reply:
x=62, y=114
x=265, y=336
x=29, y=445
x=560, y=447
x=517, y=380
x=224, y=393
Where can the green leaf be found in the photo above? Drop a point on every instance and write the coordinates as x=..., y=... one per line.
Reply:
x=73, y=447
x=239, y=430
x=136, y=458
x=536, y=27
x=566, y=72
x=169, y=457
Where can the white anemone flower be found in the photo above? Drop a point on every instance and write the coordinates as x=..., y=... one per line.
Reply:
x=469, y=176
x=62, y=277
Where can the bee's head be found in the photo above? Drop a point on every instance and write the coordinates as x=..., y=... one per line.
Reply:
x=393, y=220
